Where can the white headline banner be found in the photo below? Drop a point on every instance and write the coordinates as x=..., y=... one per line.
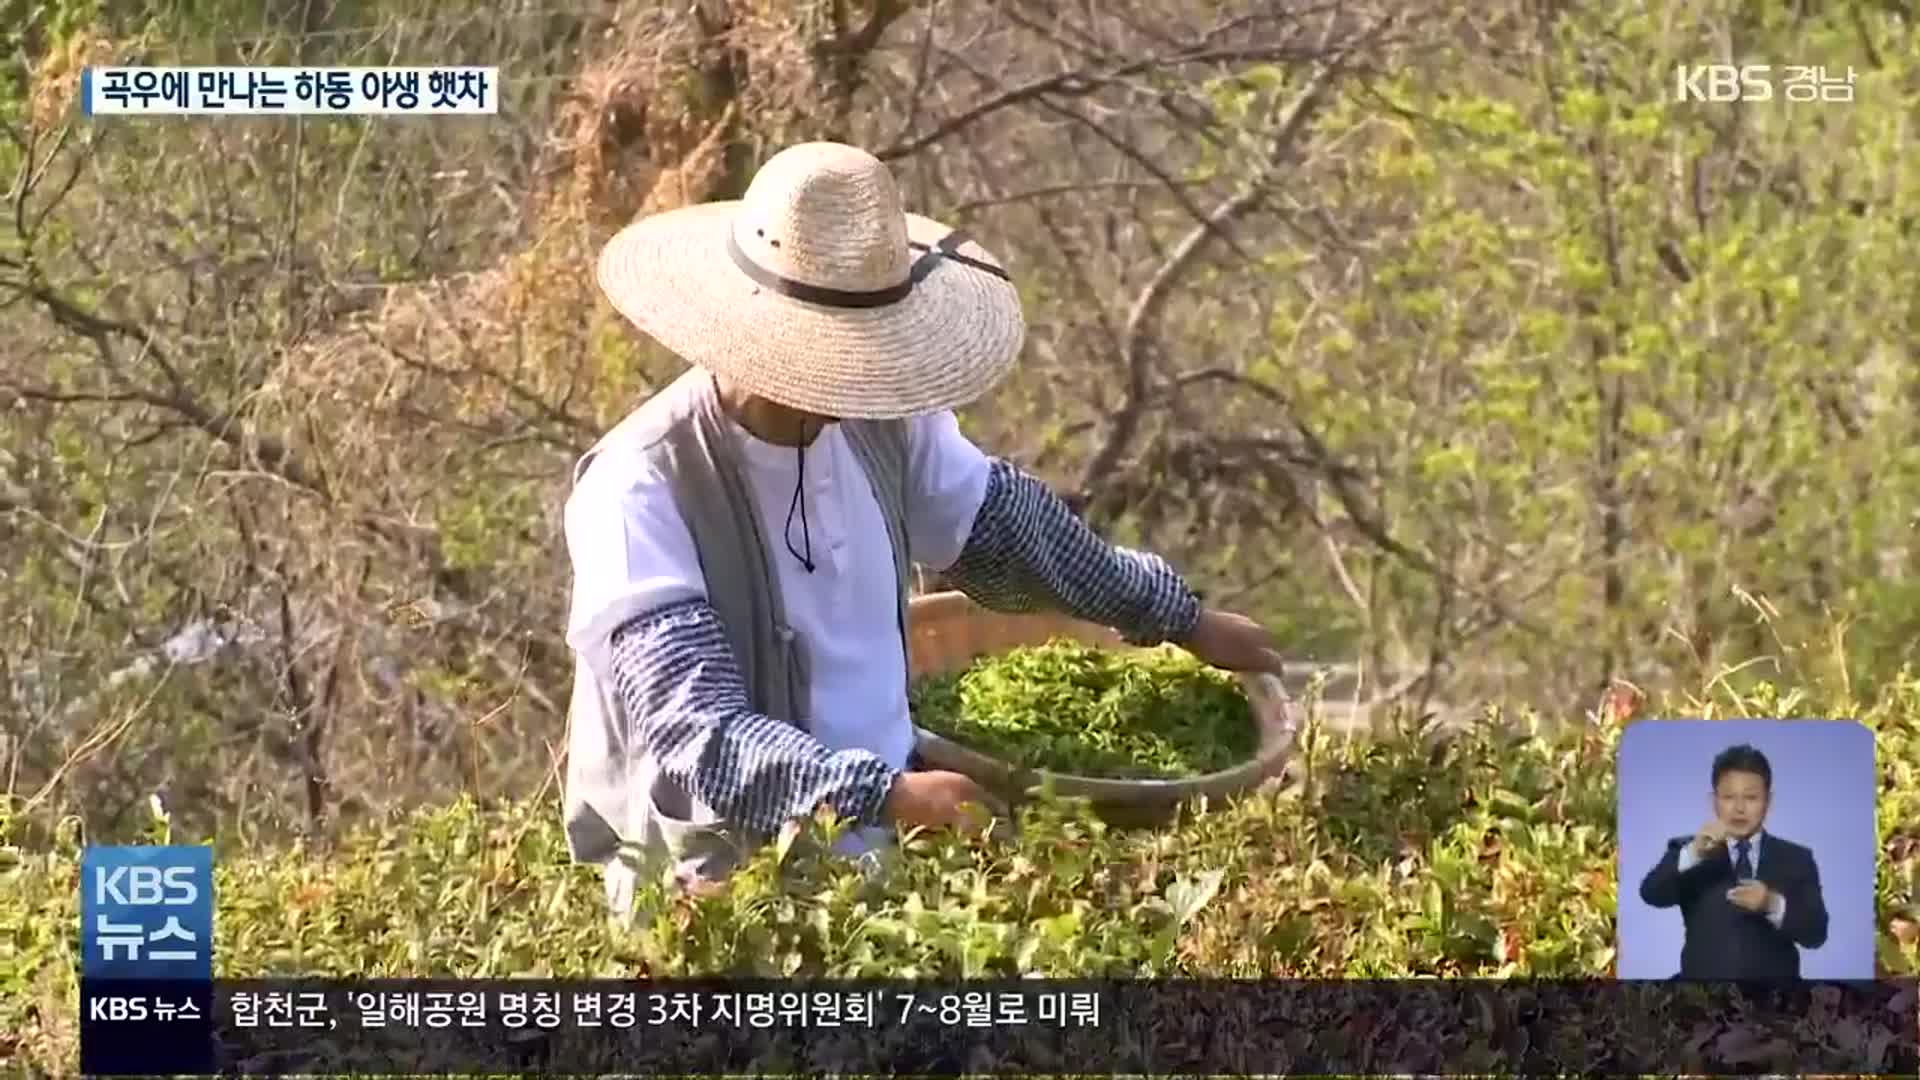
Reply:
x=302, y=91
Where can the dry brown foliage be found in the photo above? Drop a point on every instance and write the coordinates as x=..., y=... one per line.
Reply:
x=55, y=80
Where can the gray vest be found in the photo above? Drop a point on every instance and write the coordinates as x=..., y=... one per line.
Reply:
x=617, y=802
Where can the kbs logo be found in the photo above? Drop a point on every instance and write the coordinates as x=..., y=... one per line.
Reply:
x=1723, y=82
x=142, y=886
x=117, y=1008
x=1756, y=82
x=147, y=1029
x=147, y=913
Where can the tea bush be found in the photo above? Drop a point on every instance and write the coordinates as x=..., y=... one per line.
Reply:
x=1488, y=854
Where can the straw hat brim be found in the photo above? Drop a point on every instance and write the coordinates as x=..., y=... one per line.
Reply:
x=944, y=345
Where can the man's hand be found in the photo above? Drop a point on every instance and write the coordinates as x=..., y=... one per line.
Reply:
x=1751, y=895
x=1235, y=643
x=939, y=800
x=1710, y=837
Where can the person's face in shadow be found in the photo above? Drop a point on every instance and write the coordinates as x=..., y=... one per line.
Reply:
x=1740, y=802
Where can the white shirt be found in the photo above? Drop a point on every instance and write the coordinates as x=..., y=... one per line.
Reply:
x=1777, y=910
x=632, y=553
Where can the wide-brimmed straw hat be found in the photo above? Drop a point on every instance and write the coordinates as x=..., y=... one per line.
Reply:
x=818, y=291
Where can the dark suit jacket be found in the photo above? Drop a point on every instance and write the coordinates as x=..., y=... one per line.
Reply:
x=1727, y=942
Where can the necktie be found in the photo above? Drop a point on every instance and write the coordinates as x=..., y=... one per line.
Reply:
x=1742, y=866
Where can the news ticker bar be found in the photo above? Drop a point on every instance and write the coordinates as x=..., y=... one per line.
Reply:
x=1008, y=1028
x=291, y=91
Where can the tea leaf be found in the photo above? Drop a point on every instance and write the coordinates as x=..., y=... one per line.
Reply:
x=1072, y=708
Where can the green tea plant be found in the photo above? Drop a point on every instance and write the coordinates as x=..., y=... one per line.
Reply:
x=1072, y=708
x=1488, y=854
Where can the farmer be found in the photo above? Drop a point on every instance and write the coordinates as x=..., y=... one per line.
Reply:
x=741, y=543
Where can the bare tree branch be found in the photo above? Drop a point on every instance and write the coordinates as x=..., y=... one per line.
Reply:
x=1078, y=83
x=974, y=206
x=1135, y=359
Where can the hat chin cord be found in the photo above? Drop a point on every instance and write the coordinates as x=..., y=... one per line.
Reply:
x=799, y=505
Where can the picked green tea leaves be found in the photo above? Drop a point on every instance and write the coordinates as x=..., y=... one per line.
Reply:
x=1065, y=707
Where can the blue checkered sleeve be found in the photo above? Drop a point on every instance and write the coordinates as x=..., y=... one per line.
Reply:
x=1028, y=551
x=677, y=677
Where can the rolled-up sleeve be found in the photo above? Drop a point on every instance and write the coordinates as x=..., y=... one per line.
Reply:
x=677, y=677
x=1015, y=546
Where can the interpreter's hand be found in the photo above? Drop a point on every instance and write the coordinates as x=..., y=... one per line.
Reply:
x=938, y=800
x=1235, y=643
x=1709, y=838
x=1751, y=895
